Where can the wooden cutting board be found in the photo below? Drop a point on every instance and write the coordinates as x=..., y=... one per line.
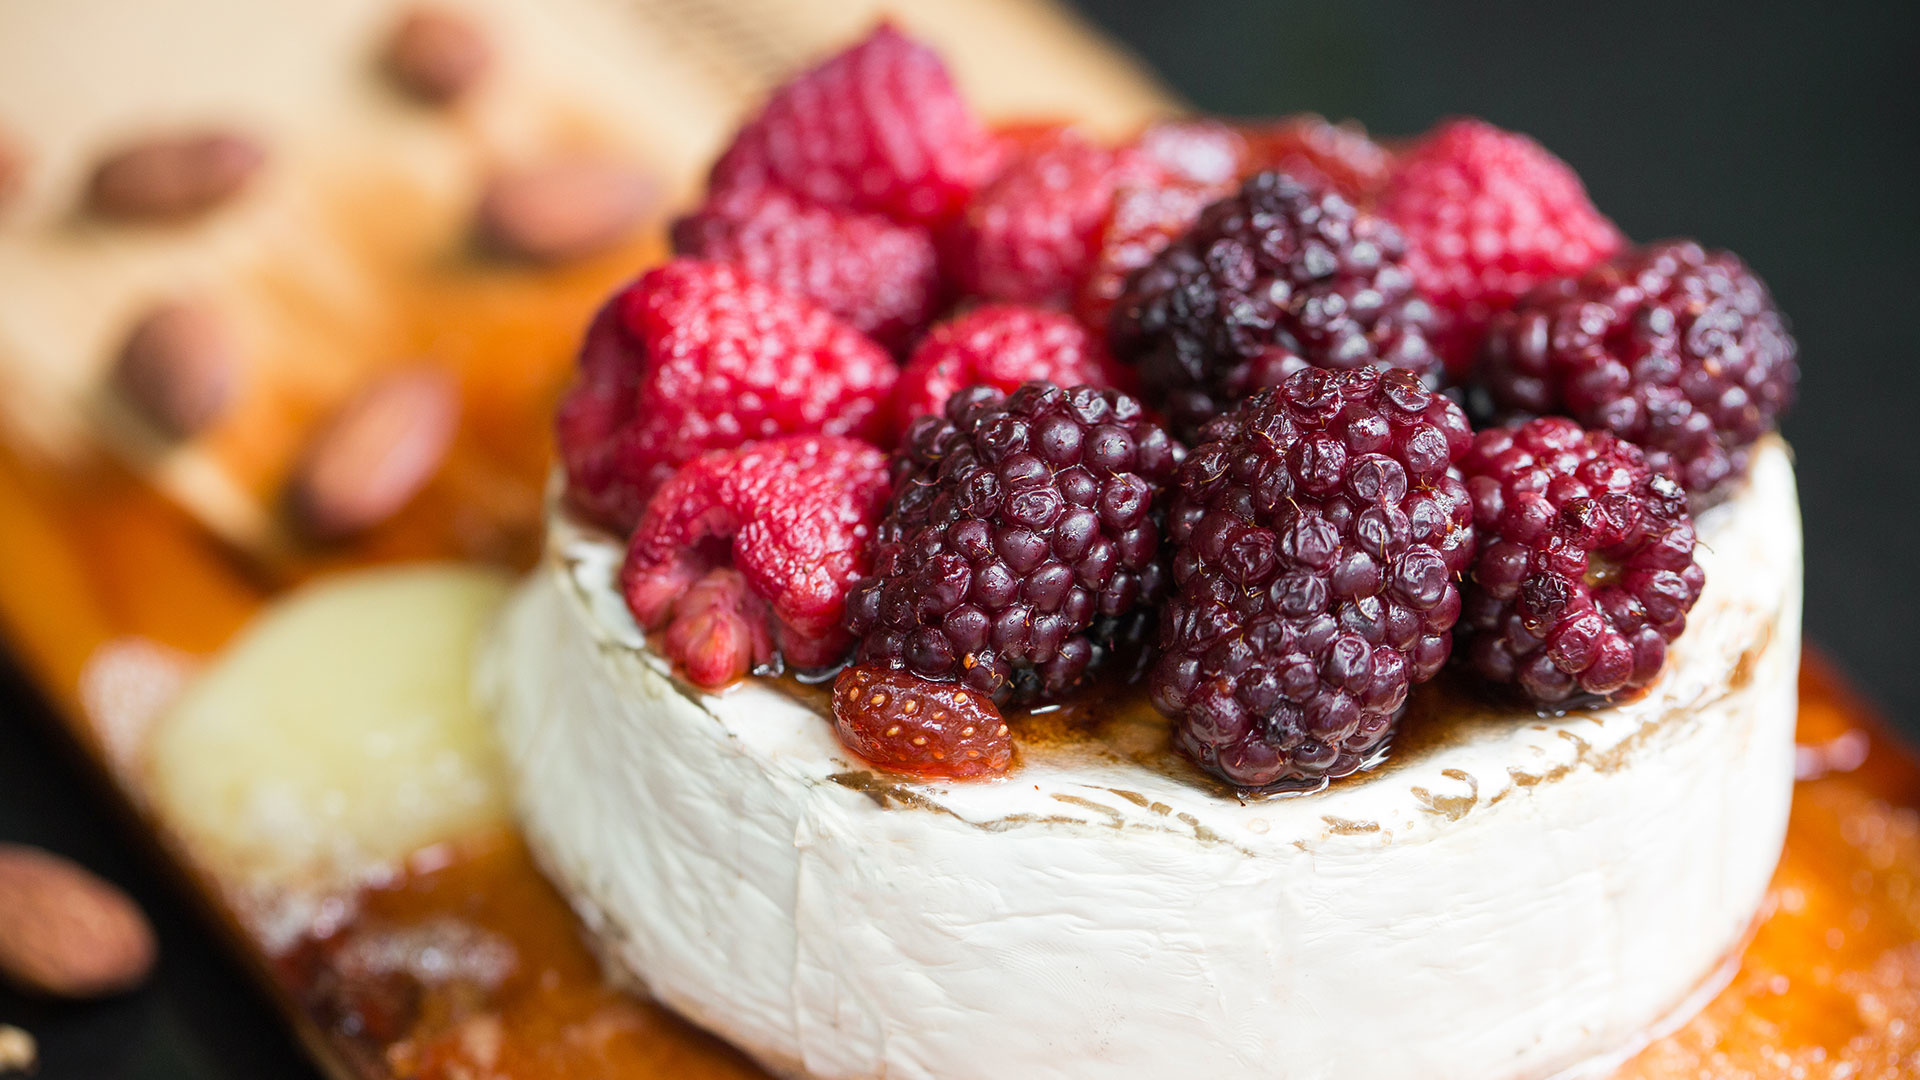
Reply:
x=351, y=258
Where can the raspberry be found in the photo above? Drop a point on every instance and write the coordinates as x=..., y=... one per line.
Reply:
x=1674, y=348
x=1489, y=214
x=1200, y=161
x=1316, y=535
x=879, y=127
x=1142, y=222
x=1271, y=279
x=1029, y=234
x=1021, y=536
x=792, y=518
x=881, y=277
x=1586, y=567
x=1324, y=155
x=912, y=725
x=1197, y=151
x=696, y=356
x=1002, y=346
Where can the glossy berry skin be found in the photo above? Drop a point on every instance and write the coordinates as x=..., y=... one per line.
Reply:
x=1200, y=162
x=1313, y=150
x=1675, y=348
x=1023, y=528
x=1272, y=279
x=697, y=356
x=1316, y=533
x=1002, y=346
x=906, y=724
x=879, y=276
x=794, y=518
x=1030, y=234
x=1586, y=567
x=1487, y=215
x=878, y=127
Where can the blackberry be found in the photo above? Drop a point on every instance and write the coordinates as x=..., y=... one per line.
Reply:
x=1316, y=536
x=1273, y=278
x=1023, y=532
x=1671, y=347
x=1586, y=568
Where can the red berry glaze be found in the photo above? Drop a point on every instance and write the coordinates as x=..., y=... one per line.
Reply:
x=1677, y=349
x=907, y=724
x=1030, y=234
x=1586, y=569
x=696, y=356
x=1002, y=346
x=881, y=277
x=793, y=518
x=878, y=127
x=1488, y=214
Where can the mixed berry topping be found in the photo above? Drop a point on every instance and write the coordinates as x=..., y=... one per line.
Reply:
x=1586, y=569
x=1316, y=531
x=904, y=723
x=1672, y=347
x=697, y=356
x=1286, y=296
x=1488, y=214
x=1272, y=279
x=1319, y=153
x=1023, y=529
x=1002, y=346
x=878, y=127
x=882, y=277
x=750, y=551
x=1029, y=235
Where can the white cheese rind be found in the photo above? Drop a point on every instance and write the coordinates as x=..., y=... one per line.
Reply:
x=1515, y=897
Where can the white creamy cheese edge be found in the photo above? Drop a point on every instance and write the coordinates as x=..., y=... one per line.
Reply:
x=1507, y=904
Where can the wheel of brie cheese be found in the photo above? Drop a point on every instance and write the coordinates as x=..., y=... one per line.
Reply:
x=1511, y=895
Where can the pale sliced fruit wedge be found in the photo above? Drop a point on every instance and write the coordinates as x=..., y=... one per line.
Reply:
x=337, y=734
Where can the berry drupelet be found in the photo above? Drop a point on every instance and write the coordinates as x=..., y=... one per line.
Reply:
x=880, y=276
x=1316, y=533
x=1272, y=279
x=1586, y=569
x=1675, y=348
x=698, y=356
x=1023, y=528
x=750, y=551
x=1000, y=345
x=879, y=127
x=1489, y=214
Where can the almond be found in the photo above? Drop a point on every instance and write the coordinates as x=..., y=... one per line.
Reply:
x=18, y=1052
x=177, y=367
x=65, y=932
x=174, y=176
x=13, y=168
x=436, y=55
x=375, y=454
x=563, y=209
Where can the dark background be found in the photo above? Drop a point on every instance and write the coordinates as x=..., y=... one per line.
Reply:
x=1786, y=133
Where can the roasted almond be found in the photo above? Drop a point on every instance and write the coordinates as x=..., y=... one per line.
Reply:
x=436, y=55
x=174, y=176
x=65, y=932
x=13, y=167
x=563, y=209
x=375, y=454
x=18, y=1052
x=178, y=367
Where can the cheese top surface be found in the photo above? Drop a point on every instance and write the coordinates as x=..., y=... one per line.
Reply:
x=1508, y=895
